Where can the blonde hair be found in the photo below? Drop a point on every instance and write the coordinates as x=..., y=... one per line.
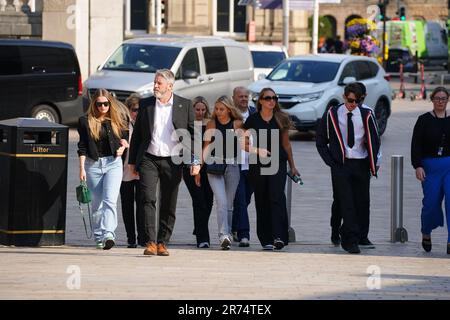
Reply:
x=235, y=114
x=282, y=119
x=132, y=100
x=201, y=99
x=118, y=114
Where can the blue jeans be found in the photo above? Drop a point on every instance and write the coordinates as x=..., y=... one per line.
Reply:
x=224, y=188
x=242, y=199
x=104, y=178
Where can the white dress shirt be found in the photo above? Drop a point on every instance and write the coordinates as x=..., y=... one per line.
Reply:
x=358, y=151
x=162, y=144
x=244, y=154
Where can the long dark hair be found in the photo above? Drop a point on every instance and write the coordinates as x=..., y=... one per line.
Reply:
x=282, y=119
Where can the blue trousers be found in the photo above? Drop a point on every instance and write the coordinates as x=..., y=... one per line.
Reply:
x=104, y=177
x=435, y=187
x=240, y=222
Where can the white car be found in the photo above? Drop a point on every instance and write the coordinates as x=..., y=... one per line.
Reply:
x=307, y=85
x=265, y=58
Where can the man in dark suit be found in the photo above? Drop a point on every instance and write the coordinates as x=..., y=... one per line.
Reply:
x=347, y=140
x=155, y=155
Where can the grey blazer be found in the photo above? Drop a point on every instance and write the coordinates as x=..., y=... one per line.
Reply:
x=182, y=118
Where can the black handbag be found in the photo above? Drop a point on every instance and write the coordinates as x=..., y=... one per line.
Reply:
x=216, y=168
x=84, y=196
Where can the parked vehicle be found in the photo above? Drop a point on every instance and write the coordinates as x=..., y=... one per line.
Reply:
x=265, y=58
x=307, y=85
x=40, y=79
x=401, y=55
x=203, y=66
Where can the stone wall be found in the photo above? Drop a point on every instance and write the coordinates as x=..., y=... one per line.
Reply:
x=18, y=21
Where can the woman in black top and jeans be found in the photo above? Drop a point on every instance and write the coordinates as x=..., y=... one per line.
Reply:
x=430, y=156
x=103, y=139
x=270, y=125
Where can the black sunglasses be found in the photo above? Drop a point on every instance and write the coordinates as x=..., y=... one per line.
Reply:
x=350, y=100
x=98, y=104
x=268, y=98
x=134, y=109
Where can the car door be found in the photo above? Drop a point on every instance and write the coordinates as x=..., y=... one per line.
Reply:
x=12, y=83
x=189, y=88
x=217, y=77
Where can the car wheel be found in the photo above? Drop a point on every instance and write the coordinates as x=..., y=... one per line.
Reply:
x=45, y=112
x=382, y=114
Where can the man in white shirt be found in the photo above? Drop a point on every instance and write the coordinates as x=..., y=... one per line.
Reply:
x=348, y=141
x=152, y=152
x=240, y=222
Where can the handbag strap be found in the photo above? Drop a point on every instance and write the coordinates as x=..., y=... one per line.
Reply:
x=84, y=220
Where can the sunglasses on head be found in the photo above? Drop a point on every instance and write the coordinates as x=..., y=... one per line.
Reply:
x=98, y=104
x=268, y=98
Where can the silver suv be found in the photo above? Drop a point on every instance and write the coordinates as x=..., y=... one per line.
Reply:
x=203, y=66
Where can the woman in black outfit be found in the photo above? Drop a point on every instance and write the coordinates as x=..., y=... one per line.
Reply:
x=430, y=156
x=202, y=196
x=270, y=200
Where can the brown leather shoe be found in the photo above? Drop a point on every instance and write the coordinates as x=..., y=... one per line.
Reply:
x=162, y=250
x=151, y=249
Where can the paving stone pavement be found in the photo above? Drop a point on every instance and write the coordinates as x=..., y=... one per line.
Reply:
x=310, y=268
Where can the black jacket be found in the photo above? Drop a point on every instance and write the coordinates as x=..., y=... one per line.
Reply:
x=88, y=147
x=182, y=118
x=329, y=141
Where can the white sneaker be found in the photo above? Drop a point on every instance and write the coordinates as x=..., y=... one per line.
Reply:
x=203, y=245
x=244, y=243
x=268, y=247
x=225, y=242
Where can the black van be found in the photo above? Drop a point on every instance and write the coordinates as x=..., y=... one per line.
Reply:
x=40, y=79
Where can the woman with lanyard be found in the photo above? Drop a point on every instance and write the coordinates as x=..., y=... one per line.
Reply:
x=430, y=156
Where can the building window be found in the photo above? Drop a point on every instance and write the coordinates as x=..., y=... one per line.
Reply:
x=138, y=14
x=229, y=17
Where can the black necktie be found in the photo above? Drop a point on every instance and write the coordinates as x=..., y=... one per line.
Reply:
x=350, y=131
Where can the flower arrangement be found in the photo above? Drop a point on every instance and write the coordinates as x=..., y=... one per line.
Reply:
x=361, y=37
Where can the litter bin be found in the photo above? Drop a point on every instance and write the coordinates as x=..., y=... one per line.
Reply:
x=33, y=182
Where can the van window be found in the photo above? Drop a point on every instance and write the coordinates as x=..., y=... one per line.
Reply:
x=47, y=60
x=142, y=58
x=10, y=63
x=215, y=59
x=239, y=58
x=267, y=59
x=190, y=62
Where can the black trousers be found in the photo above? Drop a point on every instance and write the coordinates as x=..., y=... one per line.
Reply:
x=336, y=216
x=270, y=202
x=130, y=199
x=202, y=203
x=152, y=170
x=351, y=188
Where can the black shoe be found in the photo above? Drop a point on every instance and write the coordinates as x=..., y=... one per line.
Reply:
x=350, y=248
x=278, y=244
x=365, y=243
x=448, y=248
x=426, y=245
x=335, y=238
x=108, y=244
x=132, y=245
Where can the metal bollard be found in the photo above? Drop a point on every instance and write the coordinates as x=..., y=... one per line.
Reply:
x=398, y=233
x=291, y=232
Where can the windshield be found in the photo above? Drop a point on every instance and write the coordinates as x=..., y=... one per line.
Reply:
x=304, y=71
x=142, y=58
x=266, y=59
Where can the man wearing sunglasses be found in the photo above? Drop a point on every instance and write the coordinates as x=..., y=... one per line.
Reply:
x=348, y=142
